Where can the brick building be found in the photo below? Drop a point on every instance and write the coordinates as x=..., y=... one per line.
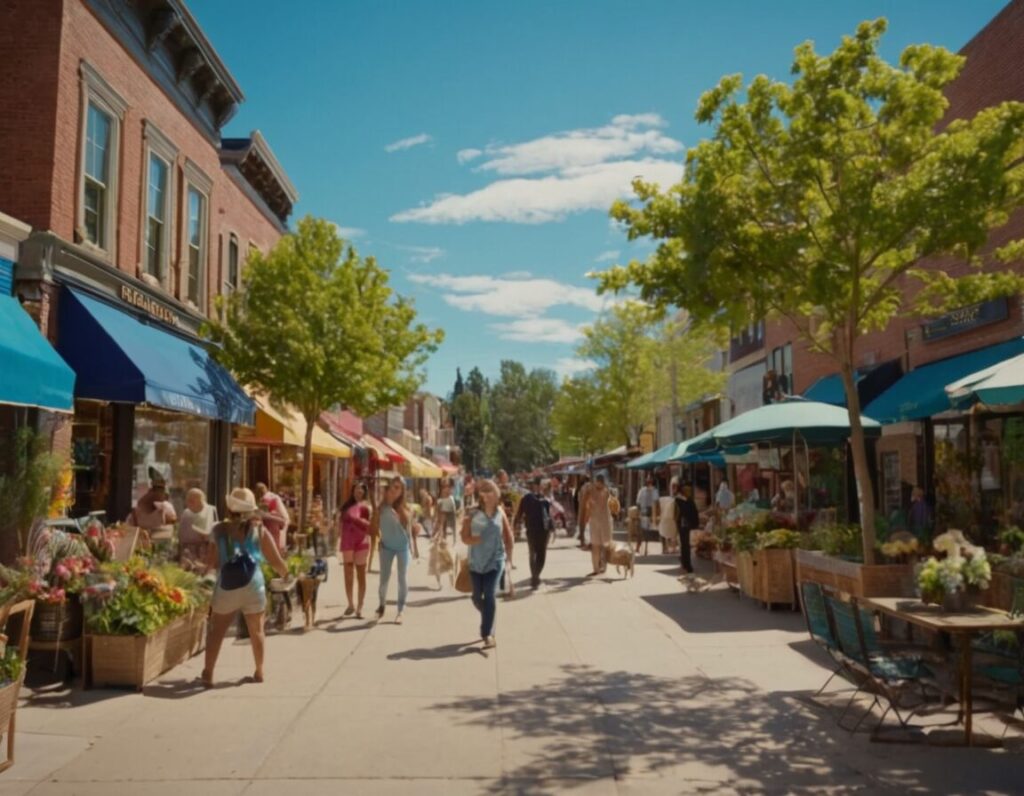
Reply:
x=900, y=366
x=111, y=150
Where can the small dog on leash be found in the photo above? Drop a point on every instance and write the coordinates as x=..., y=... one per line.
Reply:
x=622, y=556
x=694, y=583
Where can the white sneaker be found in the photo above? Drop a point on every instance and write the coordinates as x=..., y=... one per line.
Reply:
x=490, y=643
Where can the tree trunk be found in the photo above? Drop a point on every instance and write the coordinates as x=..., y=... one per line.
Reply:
x=860, y=462
x=307, y=465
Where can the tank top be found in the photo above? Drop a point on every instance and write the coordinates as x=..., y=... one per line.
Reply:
x=392, y=533
x=227, y=547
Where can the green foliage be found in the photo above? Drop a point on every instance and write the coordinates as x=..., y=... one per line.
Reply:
x=817, y=201
x=29, y=474
x=1013, y=538
x=779, y=539
x=317, y=326
x=133, y=600
x=580, y=417
x=11, y=666
x=521, y=404
x=470, y=411
x=842, y=541
x=744, y=537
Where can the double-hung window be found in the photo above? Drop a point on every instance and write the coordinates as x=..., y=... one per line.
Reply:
x=102, y=114
x=161, y=157
x=197, y=235
x=231, y=283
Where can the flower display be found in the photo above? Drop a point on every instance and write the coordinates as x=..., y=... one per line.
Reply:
x=57, y=566
x=964, y=567
x=901, y=546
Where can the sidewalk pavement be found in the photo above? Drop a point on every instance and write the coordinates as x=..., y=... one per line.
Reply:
x=602, y=686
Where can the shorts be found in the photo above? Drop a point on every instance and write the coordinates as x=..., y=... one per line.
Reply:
x=248, y=599
x=357, y=557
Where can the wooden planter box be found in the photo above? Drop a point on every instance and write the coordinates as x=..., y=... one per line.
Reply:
x=767, y=576
x=860, y=580
x=136, y=660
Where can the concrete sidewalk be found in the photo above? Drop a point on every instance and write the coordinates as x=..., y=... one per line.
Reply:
x=601, y=686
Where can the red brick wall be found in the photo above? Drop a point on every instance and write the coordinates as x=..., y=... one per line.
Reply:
x=40, y=185
x=29, y=62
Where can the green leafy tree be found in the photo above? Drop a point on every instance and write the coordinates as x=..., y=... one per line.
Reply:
x=521, y=404
x=580, y=418
x=818, y=201
x=317, y=326
x=29, y=476
x=470, y=411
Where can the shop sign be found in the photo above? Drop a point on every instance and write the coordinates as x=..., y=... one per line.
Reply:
x=966, y=318
x=140, y=300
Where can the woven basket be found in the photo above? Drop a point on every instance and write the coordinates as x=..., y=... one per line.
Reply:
x=57, y=622
x=136, y=660
x=9, y=702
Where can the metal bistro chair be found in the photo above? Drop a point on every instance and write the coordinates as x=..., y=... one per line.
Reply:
x=887, y=674
x=999, y=668
x=819, y=626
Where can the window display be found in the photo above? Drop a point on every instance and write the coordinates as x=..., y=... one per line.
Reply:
x=177, y=446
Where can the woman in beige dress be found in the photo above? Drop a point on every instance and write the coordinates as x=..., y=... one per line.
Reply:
x=666, y=518
x=600, y=519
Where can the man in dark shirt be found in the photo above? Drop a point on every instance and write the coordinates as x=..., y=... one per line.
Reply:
x=688, y=519
x=536, y=510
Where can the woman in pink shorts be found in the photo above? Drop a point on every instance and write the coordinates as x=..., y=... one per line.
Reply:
x=355, y=544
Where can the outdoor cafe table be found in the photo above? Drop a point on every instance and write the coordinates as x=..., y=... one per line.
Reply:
x=961, y=625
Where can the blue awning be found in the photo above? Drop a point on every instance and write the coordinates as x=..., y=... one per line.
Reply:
x=829, y=389
x=31, y=372
x=871, y=382
x=119, y=357
x=922, y=392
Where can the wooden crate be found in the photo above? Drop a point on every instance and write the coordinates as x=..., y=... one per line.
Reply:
x=774, y=576
x=860, y=580
x=134, y=661
x=745, y=573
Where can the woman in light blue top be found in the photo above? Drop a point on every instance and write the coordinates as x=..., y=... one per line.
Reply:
x=487, y=533
x=394, y=524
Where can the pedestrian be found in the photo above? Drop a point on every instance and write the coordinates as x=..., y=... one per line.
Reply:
x=426, y=512
x=582, y=498
x=275, y=515
x=239, y=545
x=535, y=510
x=445, y=510
x=668, y=523
x=689, y=520
x=154, y=511
x=197, y=521
x=355, y=544
x=919, y=518
x=724, y=498
x=397, y=542
x=488, y=535
x=599, y=518
x=647, y=501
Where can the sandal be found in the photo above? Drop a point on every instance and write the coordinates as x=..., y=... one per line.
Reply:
x=206, y=679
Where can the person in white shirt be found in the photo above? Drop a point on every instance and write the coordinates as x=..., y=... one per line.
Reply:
x=646, y=500
x=724, y=499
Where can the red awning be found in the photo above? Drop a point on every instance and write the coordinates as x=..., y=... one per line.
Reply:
x=381, y=450
x=448, y=467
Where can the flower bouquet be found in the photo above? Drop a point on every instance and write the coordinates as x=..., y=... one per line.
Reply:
x=950, y=581
x=902, y=547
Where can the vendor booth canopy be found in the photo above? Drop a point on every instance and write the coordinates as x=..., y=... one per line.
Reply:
x=922, y=392
x=650, y=461
x=382, y=454
x=999, y=385
x=31, y=372
x=289, y=428
x=816, y=423
x=702, y=449
x=120, y=357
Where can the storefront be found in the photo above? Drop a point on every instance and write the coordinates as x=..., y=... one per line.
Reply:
x=147, y=399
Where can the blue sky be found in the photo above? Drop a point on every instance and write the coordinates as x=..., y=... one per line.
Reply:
x=474, y=147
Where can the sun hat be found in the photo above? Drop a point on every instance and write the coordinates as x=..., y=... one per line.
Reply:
x=241, y=501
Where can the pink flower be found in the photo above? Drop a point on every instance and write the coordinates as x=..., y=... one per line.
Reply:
x=62, y=572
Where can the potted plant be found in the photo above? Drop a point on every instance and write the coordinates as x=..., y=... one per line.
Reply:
x=58, y=565
x=29, y=478
x=143, y=620
x=954, y=580
x=835, y=559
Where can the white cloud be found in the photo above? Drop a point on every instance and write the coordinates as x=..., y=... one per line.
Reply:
x=539, y=330
x=570, y=366
x=510, y=297
x=423, y=254
x=408, y=143
x=548, y=178
x=551, y=198
x=608, y=256
x=517, y=275
x=349, y=233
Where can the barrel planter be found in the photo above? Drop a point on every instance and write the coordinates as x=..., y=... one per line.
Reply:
x=852, y=577
x=133, y=661
x=60, y=622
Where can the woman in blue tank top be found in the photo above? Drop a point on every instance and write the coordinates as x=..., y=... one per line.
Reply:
x=487, y=533
x=396, y=544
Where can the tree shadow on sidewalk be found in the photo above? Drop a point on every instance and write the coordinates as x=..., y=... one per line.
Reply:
x=697, y=732
x=436, y=653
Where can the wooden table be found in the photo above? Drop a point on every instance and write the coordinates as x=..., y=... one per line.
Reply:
x=961, y=625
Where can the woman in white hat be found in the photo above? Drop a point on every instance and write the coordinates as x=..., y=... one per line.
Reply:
x=238, y=547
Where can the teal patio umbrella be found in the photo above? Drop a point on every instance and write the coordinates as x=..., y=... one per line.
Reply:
x=1001, y=384
x=650, y=461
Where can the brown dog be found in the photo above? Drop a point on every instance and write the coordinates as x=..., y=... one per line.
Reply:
x=622, y=556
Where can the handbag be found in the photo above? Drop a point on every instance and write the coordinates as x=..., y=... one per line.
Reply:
x=463, y=582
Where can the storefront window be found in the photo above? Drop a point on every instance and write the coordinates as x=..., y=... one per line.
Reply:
x=175, y=445
x=92, y=451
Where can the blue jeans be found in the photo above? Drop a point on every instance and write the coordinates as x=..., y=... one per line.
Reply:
x=485, y=585
x=386, y=559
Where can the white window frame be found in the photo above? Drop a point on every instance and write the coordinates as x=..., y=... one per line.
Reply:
x=196, y=180
x=156, y=143
x=96, y=91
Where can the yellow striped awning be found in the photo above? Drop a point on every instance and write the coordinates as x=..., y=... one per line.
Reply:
x=272, y=424
x=418, y=466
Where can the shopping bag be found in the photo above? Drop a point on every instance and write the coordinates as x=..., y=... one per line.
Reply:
x=463, y=582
